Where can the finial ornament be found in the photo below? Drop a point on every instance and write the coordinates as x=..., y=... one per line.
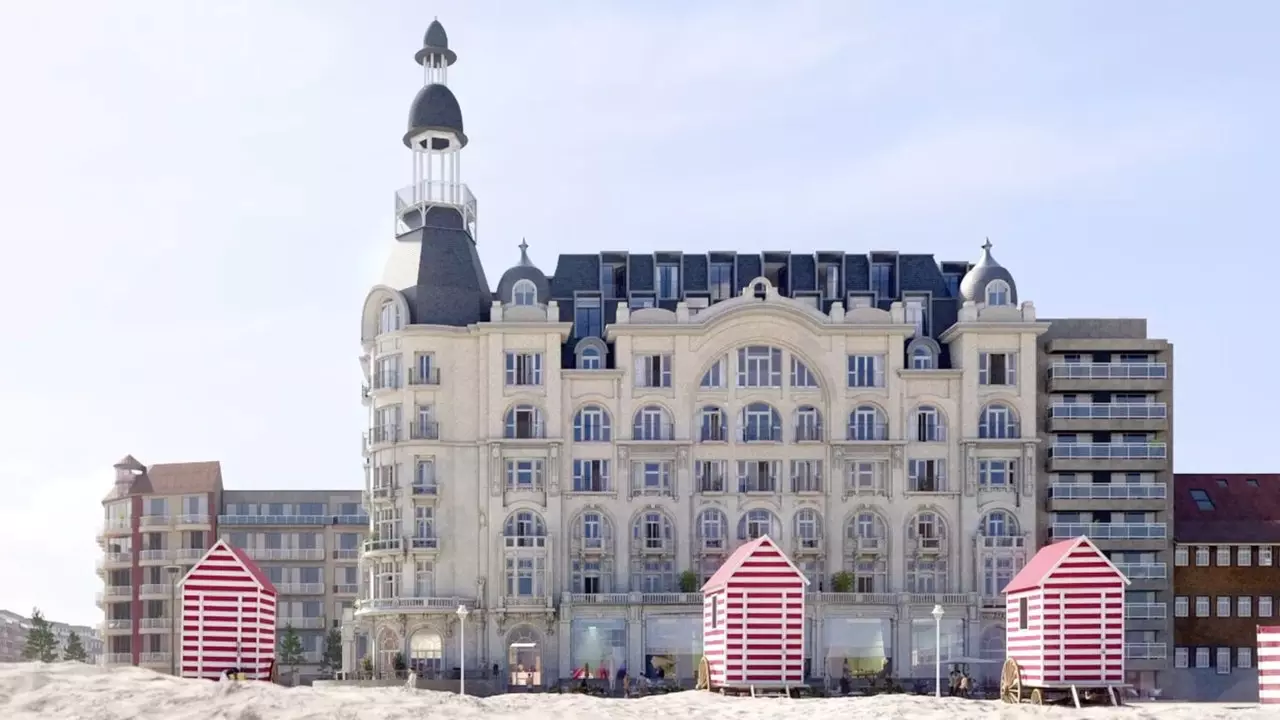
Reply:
x=524, y=252
x=987, y=245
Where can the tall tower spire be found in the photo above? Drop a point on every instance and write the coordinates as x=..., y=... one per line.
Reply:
x=436, y=138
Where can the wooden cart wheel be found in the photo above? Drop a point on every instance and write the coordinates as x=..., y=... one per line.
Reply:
x=1037, y=697
x=1011, y=682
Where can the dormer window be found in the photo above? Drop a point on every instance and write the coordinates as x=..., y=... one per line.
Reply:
x=524, y=292
x=589, y=359
x=389, y=319
x=998, y=293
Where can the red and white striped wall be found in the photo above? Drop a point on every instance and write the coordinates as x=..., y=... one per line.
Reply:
x=1268, y=659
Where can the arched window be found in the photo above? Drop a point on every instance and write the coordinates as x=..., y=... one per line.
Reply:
x=652, y=423
x=808, y=529
x=998, y=293
x=866, y=552
x=592, y=424
x=653, y=549
x=590, y=359
x=922, y=358
x=868, y=422
x=999, y=524
x=523, y=422
x=592, y=532
x=757, y=523
x=1002, y=548
x=524, y=292
x=712, y=529
x=801, y=376
x=929, y=425
x=808, y=424
x=998, y=421
x=426, y=653
x=525, y=529
x=712, y=425
x=389, y=319
x=927, y=563
x=716, y=377
x=761, y=423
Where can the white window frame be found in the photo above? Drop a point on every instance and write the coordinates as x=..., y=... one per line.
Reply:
x=523, y=369
x=715, y=376
x=1264, y=556
x=1202, y=657
x=1223, y=609
x=1202, y=556
x=1202, y=606
x=759, y=366
x=1223, y=664
x=1181, y=606
x=1264, y=606
x=646, y=376
x=524, y=292
x=1244, y=606
x=1244, y=556
x=1181, y=556
x=863, y=369
x=1180, y=657
x=1244, y=658
x=992, y=469
x=801, y=375
x=1010, y=369
x=997, y=293
x=1223, y=556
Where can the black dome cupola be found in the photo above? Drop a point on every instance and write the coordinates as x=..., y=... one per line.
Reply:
x=435, y=47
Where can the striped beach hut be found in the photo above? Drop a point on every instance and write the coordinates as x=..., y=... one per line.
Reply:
x=1065, y=615
x=1269, y=664
x=228, y=616
x=753, y=620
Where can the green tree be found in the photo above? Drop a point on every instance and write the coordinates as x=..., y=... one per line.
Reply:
x=290, y=648
x=42, y=644
x=74, y=650
x=331, y=658
x=688, y=581
x=842, y=582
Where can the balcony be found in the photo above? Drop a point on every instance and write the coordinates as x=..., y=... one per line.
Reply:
x=424, y=431
x=189, y=554
x=631, y=598
x=1111, y=531
x=260, y=520
x=117, y=526
x=401, y=604
x=1116, y=417
x=806, y=484
x=382, y=547
x=300, y=588
x=1088, y=377
x=115, y=560
x=153, y=658
x=1108, y=491
x=385, y=380
x=751, y=434
x=346, y=554
x=1002, y=542
x=156, y=623
x=712, y=545
x=867, y=545
x=929, y=545
x=807, y=546
x=835, y=598
x=867, y=432
x=1144, y=571
x=300, y=623
x=711, y=483
x=358, y=519
x=351, y=589
x=1088, y=457
x=285, y=553
x=198, y=520
x=424, y=376
x=155, y=591
x=1145, y=651
x=424, y=543
x=118, y=625
x=1145, y=611
x=118, y=658
x=155, y=521
x=664, y=432
x=117, y=592
x=515, y=542
x=809, y=433
x=758, y=484
x=412, y=204
x=381, y=435
x=425, y=489
x=155, y=556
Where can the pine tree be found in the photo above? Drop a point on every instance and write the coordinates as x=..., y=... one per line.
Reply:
x=74, y=650
x=290, y=648
x=42, y=644
x=331, y=658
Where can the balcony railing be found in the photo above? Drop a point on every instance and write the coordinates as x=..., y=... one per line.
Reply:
x=424, y=543
x=1109, y=411
x=449, y=604
x=634, y=598
x=1109, y=371
x=1111, y=531
x=156, y=623
x=1108, y=491
x=118, y=659
x=117, y=525
x=1144, y=571
x=1145, y=651
x=155, y=589
x=999, y=430
x=664, y=432
x=117, y=591
x=189, y=553
x=383, y=545
x=421, y=376
x=525, y=541
x=997, y=542
x=1145, y=611
x=425, y=488
x=117, y=558
x=380, y=434
x=413, y=201
x=346, y=589
x=300, y=588
x=300, y=623
x=386, y=380
x=285, y=553
x=808, y=483
x=196, y=519
x=712, y=483
x=155, y=520
x=711, y=544
x=154, y=555
x=153, y=658
x=809, y=433
x=758, y=484
x=750, y=434
x=358, y=519
x=835, y=598
x=424, y=431
x=713, y=433
x=119, y=624
x=1112, y=451
x=868, y=432
x=346, y=554
x=274, y=519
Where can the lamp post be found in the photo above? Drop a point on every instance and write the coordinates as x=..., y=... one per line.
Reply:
x=937, y=613
x=462, y=649
x=174, y=617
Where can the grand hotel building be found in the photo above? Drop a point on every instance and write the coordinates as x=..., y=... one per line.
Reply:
x=570, y=455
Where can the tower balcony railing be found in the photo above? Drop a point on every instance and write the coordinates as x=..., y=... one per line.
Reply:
x=1109, y=371
x=1108, y=491
x=1109, y=411
x=412, y=203
x=1109, y=451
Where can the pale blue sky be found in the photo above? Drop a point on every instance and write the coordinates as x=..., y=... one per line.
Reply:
x=195, y=197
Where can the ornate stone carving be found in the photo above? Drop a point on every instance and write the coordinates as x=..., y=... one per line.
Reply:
x=495, y=450
x=897, y=455
x=483, y=520
x=622, y=454
x=682, y=453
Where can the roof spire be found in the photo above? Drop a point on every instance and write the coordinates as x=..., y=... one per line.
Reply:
x=986, y=247
x=524, y=253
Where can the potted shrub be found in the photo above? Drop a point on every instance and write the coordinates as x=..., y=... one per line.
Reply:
x=400, y=665
x=688, y=581
x=842, y=582
x=366, y=666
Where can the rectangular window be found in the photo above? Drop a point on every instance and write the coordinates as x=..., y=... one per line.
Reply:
x=1022, y=613
x=927, y=476
x=1202, y=606
x=1180, y=657
x=1202, y=657
x=1202, y=556
x=1180, y=606
x=1244, y=556
x=591, y=476
x=998, y=369
x=917, y=313
x=524, y=474
x=1224, y=556
x=653, y=371
x=866, y=371
x=613, y=280
x=524, y=368
x=588, y=319
x=830, y=275
x=759, y=366
x=668, y=282
x=1244, y=657
x=996, y=474
x=1224, y=607
x=1264, y=606
x=1244, y=606
x=1181, y=557
x=1223, y=663
x=720, y=281
x=1264, y=556
x=714, y=617
x=881, y=280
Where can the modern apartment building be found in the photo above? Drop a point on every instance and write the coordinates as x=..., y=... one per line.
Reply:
x=160, y=520
x=14, y=629
x=556, y=455
x=1226, y=582
x=1107, y=446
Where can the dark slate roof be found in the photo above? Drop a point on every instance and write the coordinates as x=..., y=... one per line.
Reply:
x=435, y=108
x=435, y=44
x=451, y=288
x=1243, y=511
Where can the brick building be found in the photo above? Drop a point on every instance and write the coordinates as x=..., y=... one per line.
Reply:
x=1226, y=581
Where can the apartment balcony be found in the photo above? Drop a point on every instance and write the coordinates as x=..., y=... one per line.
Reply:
x=758, y=485
x=115, y=593
x=380, y=606
x=631, y=598
x=592, y=546
x=273, y=520
x=853, y=598
x=310, y=554
x=424, y=431
x=189, y=555
x=808, y=546
x=154, y=557
x=713, y=484
x=712, y=545
x=419, y=377
x=424, y=544
x=384, y=380
x=300, y=588
x=388, y=546
x=1137, y=572
x=117, y=659
x=346, y=554
x=198, y=521
x=868, y=545
x=866, y=433
x=1085, y=497
x=118, y=626
x=928, y=545
x=751, y=434
x=425, y=490
x=1112, y=417
x=155, y=521
x=525, y=601
x=1146, y=611
x=663, y=433
x=380, y=492
x=117, y=527
x=518, y=542
x=381, y=436
x=300, y=623
x=1121, y=536
x=352, y=589
x=1145, y=651
x=155, y=591
x=808, y=484
x=358, y=519
x=1104, y=377
x=154, y=624
x=114, y=561
x=809, y=433
x=153, y=659
x=1119, y=457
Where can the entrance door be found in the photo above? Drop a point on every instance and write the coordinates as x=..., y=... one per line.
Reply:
x=524, y=660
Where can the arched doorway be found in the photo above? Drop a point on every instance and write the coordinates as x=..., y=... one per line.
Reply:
x=426, y=653
x=389, y=646
x=524, y=658
x=991, y=650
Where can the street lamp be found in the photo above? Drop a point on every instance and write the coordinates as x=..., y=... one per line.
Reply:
x=937, y=613
x=462, y=649
x=174, y=616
